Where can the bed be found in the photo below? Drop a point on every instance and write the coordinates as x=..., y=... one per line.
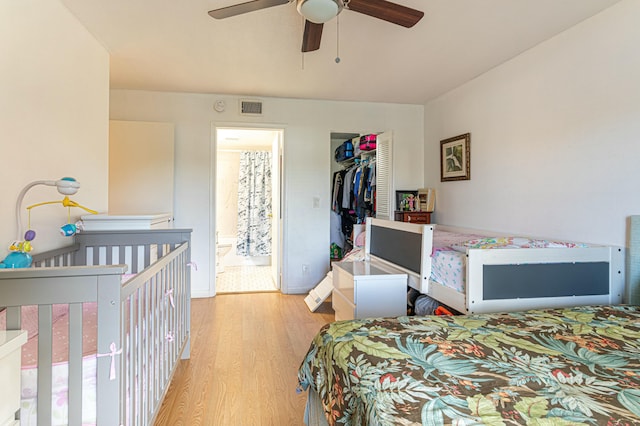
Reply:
x=108, y=321
x=485, y=273
x=560, y=366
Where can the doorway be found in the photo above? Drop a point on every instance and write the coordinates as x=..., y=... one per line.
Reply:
x=247, y=209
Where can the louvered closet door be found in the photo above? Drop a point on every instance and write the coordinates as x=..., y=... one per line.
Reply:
x=384, y=176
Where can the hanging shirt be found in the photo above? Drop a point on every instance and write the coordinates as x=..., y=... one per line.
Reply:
x=336, y=195
x=347, y=189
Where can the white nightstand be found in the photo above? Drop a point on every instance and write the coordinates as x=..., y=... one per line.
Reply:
x=363, y=290
x=10, y=361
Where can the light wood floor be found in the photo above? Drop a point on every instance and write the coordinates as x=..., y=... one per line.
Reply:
x=245, y=354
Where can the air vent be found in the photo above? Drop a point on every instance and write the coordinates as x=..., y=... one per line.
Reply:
x=250, y=107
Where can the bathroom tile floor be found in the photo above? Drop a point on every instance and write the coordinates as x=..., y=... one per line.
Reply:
x=240, y=279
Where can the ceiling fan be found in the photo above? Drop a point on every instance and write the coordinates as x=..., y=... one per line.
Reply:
x=317, y=12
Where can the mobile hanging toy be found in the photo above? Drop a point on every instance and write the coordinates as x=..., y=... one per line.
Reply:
x=19, y=256
x=69, y=229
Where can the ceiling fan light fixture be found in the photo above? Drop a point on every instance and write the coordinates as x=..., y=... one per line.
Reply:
x=319, y=11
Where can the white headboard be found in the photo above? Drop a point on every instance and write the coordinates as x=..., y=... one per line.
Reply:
x=404, y=246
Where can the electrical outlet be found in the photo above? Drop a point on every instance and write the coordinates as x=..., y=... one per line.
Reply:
x=305, y=269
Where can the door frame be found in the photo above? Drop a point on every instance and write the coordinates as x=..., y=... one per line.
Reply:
x=278, y=255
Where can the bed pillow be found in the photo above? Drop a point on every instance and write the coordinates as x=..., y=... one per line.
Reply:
x=512, y=242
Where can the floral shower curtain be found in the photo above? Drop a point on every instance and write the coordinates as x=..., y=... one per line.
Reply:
x=254, y=204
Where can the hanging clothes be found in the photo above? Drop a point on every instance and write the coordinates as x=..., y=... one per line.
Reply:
x=347, y=191
x=336, y=192
x=353, y=194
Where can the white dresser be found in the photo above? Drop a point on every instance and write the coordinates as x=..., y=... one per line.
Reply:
x=103, y=222
x=363, y=290
x=10, y=362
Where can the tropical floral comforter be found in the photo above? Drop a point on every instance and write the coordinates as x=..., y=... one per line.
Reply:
x=572, y=366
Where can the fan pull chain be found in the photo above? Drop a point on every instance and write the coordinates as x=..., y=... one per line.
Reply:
x=338, y=39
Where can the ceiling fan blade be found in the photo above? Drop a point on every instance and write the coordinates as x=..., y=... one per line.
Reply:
x=312, y=36
x=387, y=11
x=250, y=6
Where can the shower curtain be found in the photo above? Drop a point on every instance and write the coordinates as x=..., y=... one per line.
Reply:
x=254, y=204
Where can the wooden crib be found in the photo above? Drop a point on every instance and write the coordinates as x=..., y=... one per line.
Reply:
x=139, y=283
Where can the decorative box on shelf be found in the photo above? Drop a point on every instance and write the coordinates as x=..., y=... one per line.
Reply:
x=413, y=217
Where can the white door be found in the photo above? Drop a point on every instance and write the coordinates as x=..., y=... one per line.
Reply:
x=276, y=206
x=229, y=143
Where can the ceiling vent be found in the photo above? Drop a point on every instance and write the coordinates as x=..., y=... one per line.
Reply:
x=250, y=107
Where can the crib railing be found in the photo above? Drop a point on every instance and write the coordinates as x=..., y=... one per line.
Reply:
x=143, y=323
x=70, y=286
x=155, y=329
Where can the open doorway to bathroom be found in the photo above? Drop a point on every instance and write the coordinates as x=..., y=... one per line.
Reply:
x=247, y=221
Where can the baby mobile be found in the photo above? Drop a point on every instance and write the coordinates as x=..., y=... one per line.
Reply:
x=19, y=256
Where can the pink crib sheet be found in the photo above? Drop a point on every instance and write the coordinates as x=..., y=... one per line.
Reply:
x=60, y=368
x=60, y=328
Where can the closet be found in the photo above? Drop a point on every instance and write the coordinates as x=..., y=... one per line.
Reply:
x=361, y=187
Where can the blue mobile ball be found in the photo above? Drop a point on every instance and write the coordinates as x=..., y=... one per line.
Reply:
x=30, y=235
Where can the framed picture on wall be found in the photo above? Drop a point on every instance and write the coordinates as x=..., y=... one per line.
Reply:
x=406, y=200
x=455, y=158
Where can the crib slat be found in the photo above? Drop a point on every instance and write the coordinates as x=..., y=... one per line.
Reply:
x=167, y=319
x=147, y=255
x=152, y=313
x=156, y=331
x=130, y=359
x=13, y=318
x=148, y=340
x=151, y=345
x=165, y=309
x=134, y=260
x=109, y=344
x=45, y=380
x=96, y=255
x=138, y=355
x=123, y=368
x=109, y=254
x=75, y=364
x=122, y=251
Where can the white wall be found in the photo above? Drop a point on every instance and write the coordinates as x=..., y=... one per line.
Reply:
x=307, y=156
x=227, y=193
x=54, y=81
x=555, y=136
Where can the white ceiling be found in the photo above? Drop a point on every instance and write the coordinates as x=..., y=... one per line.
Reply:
x=175, y=46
